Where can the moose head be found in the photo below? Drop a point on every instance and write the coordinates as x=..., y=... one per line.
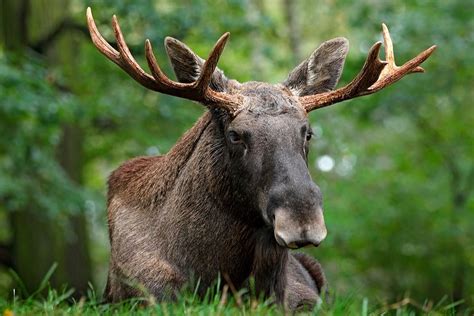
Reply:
x=265, y=126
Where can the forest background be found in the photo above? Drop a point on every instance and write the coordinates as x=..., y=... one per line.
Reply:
x=396, y=169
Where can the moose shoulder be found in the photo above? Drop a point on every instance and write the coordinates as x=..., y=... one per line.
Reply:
x=234, y=194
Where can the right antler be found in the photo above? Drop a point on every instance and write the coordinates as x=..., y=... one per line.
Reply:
x=374, y=76
x=196, y=91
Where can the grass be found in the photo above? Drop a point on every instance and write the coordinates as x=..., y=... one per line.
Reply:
x=222, y=303
x=46, y=301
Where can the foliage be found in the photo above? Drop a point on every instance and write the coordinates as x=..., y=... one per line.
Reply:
x=32, y=111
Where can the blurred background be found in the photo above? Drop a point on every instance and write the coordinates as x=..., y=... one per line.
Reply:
x=396, y=168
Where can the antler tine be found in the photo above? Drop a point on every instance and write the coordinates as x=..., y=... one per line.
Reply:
x=217, y=99
x=389, y=54
x=370, y=71
x=129, y=64
x=155, y=69
x=388, y=44
x=211, y=63
x=99, y=41
x=374, y=76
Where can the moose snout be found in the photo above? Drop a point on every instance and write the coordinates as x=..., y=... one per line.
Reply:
x=293, y=232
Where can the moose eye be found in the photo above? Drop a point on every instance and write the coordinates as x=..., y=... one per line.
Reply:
x=309, y=134
x=234, y=138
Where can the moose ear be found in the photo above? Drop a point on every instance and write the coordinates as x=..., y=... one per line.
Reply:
x=187, y=65
x=321, y=71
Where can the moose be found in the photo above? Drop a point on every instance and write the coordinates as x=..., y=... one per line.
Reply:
x=234, y=194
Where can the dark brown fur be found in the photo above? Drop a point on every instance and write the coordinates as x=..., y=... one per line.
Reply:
x=146, y=182
x=314, y=269
x=211, y=207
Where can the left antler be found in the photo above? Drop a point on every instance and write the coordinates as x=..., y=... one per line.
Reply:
x=196, y=91
x=374, y=76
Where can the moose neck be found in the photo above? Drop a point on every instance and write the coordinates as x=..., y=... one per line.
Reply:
x=204, y=171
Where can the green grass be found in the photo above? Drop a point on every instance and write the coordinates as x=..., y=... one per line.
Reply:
x=222, y=303
x=46, y=301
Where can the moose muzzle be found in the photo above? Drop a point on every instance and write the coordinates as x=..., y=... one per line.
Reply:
x=298, y=231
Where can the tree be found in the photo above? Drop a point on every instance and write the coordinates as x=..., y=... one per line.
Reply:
x=44, y=230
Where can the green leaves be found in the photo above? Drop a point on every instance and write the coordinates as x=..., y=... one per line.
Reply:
x=32, y=112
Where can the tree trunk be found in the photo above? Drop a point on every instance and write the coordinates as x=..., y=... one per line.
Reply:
x=38, y=239
x=291, y=16
x=13, y=27
x=76, y=254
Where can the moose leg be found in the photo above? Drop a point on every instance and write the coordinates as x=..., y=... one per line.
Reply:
x=315, y=270
x=305, y=282
x=117, y=287
x=154, y=277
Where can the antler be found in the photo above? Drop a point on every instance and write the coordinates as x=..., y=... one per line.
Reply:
x=196, y=91
x=374, y=76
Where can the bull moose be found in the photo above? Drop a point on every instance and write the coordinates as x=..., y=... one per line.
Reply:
x=234, y=194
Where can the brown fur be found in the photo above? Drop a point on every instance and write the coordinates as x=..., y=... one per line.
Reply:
x=208, y=207
x=314, y=269
x=141, y=184
x=302, y=289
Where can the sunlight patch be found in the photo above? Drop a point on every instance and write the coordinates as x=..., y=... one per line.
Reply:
x=325, y=163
